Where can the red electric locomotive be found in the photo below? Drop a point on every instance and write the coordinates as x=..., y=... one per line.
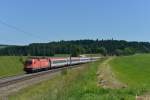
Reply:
x=37, y=64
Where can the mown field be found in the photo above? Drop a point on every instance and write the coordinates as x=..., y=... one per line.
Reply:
x=11, y=65
x=134, y=71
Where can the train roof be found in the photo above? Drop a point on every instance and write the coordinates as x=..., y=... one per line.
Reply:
x=58, y=58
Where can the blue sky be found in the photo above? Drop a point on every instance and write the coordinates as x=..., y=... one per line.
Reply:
x=49, y=20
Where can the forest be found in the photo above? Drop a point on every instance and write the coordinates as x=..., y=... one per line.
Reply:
x=76, y=47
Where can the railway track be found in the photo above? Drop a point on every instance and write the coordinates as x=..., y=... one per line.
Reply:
x=13, y=84
x=15, y=79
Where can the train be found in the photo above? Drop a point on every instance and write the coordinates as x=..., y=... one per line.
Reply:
x=37, y=64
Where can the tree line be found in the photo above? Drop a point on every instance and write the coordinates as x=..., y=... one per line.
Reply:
x=76, y=47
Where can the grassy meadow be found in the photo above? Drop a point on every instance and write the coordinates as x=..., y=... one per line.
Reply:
x=11, y=65
x=133, y=71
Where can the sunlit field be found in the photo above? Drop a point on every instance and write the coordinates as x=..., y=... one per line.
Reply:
x=11, y=65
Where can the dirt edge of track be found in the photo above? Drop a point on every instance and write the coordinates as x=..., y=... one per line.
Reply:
x=106, y=77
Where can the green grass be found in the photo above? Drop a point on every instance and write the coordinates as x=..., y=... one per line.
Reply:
x=133, y=71
x=10, y=65
x=79, y=84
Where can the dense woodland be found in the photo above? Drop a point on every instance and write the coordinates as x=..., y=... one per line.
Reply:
x=76, y=47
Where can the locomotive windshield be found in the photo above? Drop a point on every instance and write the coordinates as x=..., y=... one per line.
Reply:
x=29, y=62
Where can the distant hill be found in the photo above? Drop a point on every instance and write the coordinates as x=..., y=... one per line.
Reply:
x=105, y=47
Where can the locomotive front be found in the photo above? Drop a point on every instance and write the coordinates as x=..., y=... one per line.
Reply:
x=28, y=65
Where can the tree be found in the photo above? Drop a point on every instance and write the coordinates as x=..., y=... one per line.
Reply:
x=128, y=51
x=119, y=52
x=75, y=51
x=76, y=47
x=103, y=51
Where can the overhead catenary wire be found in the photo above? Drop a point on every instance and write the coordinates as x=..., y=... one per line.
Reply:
x=20, y=30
